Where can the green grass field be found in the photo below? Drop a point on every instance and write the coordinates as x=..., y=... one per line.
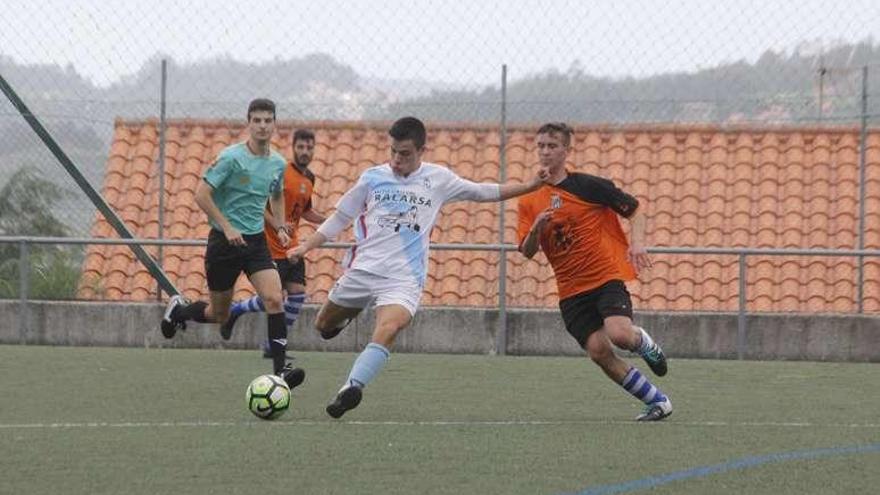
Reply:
x=135, y=421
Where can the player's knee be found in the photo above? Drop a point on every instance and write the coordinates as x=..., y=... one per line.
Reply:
x=273, y=303
x=599, y=351
x=623, y=335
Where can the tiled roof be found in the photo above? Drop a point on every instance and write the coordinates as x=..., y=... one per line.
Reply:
x=702, y=187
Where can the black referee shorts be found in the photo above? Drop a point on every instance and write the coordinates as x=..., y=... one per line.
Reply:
x=225, y=262
x=292, y=273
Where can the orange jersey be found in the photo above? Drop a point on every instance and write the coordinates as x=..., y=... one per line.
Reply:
x=583, y=239
x=298, y=186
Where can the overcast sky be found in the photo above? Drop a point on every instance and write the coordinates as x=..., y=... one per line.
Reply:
x=455, y=41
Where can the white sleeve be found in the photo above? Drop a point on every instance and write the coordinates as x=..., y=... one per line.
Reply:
x=459, y=189
x=335, y=224
x=349, y=206
x=354, y=201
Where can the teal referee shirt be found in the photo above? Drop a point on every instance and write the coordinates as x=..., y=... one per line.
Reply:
x=242, y=183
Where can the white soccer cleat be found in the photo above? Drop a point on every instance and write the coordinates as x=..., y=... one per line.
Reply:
x=656, y=411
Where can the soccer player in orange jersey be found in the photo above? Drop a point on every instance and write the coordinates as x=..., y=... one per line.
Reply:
x=574, y=219
x=299, y=183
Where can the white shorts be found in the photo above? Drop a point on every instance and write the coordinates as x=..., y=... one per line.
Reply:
x=357, y=289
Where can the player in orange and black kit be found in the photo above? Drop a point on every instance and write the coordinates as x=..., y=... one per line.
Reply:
x=573, y=218
x=299, y=183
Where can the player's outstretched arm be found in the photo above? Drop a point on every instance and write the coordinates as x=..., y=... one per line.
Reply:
x=328, y=230
x=316, y=240
x=314, y=217
x=513, y=189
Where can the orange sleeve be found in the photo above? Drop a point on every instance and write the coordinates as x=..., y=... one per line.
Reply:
x=525, y=217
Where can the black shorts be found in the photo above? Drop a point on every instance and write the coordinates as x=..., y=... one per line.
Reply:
x=224, y=262
x=292, y=273
x=585, y=313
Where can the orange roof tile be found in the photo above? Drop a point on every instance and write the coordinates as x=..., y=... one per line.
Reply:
x=700, y=186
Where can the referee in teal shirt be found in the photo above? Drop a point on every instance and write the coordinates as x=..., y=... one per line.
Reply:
x=234, y=193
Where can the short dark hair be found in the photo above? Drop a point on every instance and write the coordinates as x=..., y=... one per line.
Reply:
x=261, y=105
x=558, y=128
x=409, y=128
x=303, y=135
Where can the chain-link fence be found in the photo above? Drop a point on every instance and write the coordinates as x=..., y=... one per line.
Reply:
x=82, y=65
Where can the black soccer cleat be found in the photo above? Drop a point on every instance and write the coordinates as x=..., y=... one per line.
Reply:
x=170, y=323
x=653, y=355
x=655, y=359
x=293, y=377
x=346, y=400
x=267, y=351
x=335, y=331
x=226, y=326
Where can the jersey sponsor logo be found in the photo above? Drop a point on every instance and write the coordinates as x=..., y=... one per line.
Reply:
x=406, y=219
x=396, y=196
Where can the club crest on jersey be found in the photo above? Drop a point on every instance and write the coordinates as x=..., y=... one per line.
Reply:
x=302, y=188
x=555, y=202
x=426, y=182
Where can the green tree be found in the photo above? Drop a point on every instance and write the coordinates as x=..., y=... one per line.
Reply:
x=26, y=209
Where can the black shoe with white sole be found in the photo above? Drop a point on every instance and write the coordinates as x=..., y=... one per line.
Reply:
x=170, y=322
x=346, y=400
x=293, y=377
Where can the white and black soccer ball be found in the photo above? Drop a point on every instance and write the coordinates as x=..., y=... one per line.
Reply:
x=268, y=397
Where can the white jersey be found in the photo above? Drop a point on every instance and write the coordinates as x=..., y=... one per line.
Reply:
x=394, y=216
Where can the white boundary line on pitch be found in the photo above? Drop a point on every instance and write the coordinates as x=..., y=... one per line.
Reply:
x=215, y=424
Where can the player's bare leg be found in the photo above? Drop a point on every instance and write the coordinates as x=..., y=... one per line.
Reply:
x=657, y=404
x=333, y=318
x=625, y=335
x=178, y=311
x=390, y=320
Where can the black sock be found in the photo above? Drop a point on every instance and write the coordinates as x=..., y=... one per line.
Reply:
x=194, y=311
x=277, y=340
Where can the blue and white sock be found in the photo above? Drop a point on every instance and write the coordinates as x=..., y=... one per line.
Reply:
x=367, y=365
x=641, y=388
x=292, y=305
x=252, y=305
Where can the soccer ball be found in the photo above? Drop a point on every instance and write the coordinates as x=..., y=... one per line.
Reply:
x=268, y=397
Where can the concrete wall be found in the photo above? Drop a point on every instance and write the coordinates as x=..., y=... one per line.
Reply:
x=447, y=330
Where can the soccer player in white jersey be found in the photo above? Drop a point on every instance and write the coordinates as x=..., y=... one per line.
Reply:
x=393, y=207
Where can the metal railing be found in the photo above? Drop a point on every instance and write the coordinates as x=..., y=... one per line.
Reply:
x=741, y=253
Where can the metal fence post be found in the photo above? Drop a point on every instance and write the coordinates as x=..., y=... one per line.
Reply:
x=863, y=138
x=162, y=130
x=741, y=317
x=24, y=275
x=501, y=333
